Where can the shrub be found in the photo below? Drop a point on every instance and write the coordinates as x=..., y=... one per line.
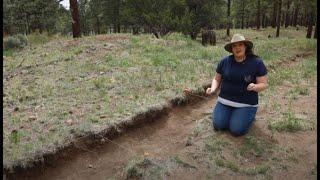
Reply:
x=16, y=41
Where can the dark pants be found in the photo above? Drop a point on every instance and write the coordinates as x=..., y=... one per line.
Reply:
x=236, y=120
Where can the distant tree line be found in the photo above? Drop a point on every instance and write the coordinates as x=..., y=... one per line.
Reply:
x=159, y=17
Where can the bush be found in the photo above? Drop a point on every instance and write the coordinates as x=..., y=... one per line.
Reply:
x=16, y=41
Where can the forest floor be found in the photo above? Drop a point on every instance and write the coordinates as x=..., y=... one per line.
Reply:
x=178, y=145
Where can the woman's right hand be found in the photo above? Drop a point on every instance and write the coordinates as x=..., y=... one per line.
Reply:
x=209, y=91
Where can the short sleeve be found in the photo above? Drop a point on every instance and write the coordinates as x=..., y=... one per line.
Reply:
x=219, y=67
x=261, y=69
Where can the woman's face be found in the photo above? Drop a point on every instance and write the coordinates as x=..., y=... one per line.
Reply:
x=239, y=49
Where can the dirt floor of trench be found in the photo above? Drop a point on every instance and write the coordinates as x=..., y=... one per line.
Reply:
x=157, y=139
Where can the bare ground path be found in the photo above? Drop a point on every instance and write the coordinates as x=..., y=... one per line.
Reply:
x=177, y=136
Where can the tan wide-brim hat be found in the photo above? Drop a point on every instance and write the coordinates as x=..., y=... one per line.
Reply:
x=238, y=38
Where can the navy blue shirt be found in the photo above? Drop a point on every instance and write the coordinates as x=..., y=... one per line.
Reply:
x=236, y=76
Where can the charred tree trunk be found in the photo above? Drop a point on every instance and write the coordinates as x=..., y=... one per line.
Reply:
x=208, y=37
x=310, y=24
x=287, y=14
x=75, y=18
x=228, y=24
x=274, y=15
x=258, y=16
x=279, y=18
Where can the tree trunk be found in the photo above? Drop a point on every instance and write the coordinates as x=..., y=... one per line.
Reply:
x=274, y=14
x=208, y=37
x=306, y=18
x=75, y=18
x=283, y=19
x=242, y=17
x=193, y=35
x=27, y=24
x=228, y=24
x=258, y=16
x=292, y=17
x=98, y=25
x=279, y=18
x=263, y=20
x=295, y=16
x=310, y=24
x=287, y=14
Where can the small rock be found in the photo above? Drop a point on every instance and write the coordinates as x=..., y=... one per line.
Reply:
x=189, y=142
x=90, y=166
x=32, y=118
x=69, y=122
x=125, y=54
x=103, y=116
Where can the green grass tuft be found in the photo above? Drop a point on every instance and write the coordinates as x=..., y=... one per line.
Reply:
x=290, y=123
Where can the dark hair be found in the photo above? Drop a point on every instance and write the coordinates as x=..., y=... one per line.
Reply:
x=249, y=52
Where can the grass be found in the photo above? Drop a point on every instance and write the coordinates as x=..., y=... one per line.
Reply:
x=261, y=169
x=253, y=146
x=215, y=145
x=228, y=164
x=113, y=75
x=182, y=163
x=133, y=168
x=290, y=123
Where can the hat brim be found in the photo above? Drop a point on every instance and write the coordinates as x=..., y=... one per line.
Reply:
x=228, y=47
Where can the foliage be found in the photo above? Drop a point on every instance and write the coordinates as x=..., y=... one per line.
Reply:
x=16, y=41
x=149, y=16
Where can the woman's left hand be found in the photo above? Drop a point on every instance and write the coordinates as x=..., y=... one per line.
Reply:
x=251, y=87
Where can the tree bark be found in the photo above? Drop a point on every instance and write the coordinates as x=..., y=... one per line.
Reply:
x=228, y=24
x=283, y=19
x=287, y=14
x=75, y=18
x=264, y=20
x=274, y=14
x=279, y=18
x=306, y=17
x=98, y=25
x=208, y=37
x=258, y=16
x=310, y=24
x=295, y=16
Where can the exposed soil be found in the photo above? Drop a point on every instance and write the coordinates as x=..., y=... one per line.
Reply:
x=158, y=139
x=167, y=136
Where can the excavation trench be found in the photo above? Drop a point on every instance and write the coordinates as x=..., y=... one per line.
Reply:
x=159, y=134
x=159, y=138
